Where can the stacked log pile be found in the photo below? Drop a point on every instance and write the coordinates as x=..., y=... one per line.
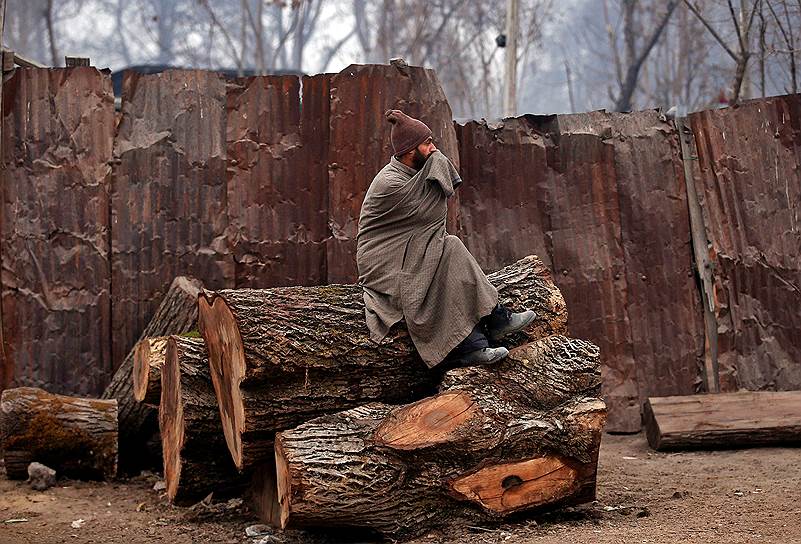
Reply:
x=283, y=356
x=283, y=393
x=494, y=441
x=138, y=421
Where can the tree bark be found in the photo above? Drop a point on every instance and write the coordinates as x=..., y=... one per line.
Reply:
x=517, y=436
x=196, y=459
x=283, y=356
x=138, y=422
x=147, y=362
x=74, y=436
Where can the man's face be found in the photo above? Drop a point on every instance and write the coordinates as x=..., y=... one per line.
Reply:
x=422, y=152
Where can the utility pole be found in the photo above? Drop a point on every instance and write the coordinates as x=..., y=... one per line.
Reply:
x=570, y=87
x=510, y=83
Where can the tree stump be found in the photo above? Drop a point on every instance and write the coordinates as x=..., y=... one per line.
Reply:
x=196, y=459
x=518, y=436
x=138, y=423
x=77, y=437
x=283, y=356
x=147, y=362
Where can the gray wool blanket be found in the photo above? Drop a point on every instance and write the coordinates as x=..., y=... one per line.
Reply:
x=410, y=268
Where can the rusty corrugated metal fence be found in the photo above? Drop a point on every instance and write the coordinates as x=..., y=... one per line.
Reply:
x=257, y=182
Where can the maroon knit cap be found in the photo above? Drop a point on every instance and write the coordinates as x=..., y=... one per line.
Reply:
x=407, y=132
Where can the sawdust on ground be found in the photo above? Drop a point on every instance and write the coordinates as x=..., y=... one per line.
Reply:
x=751, y=495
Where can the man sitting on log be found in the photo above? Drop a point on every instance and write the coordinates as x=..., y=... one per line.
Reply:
x=411, y=269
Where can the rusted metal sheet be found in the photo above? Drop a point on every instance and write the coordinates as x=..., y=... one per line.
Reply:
x=360, y=145
x=663, y=302
x=57, y=146
x=530, y=189
x=502, y=197
x=277, y=180
x=589, y=263
x=168, y=204
x=601, y=198
x=749, y=180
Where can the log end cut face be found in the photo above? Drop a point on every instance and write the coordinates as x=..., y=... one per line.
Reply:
x=147, y=360
x=141, y=369
x=218, y=327
x=510, y=487
x=431, y=421
x=171, y=419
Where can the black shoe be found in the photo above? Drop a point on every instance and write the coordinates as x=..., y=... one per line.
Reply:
x=484, y=356
x=516, y=322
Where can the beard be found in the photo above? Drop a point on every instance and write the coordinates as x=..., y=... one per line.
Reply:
x=418, y=160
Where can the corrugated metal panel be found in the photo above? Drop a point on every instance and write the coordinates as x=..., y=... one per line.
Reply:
x=749, y=172
x=502, y=197
x=277, y=205
x=601, y=198
x=169, y=195
x=57, y=145
x=360, y=145
x=663, y=301
x=589, y=263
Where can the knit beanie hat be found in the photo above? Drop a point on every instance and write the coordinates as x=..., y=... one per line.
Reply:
x=407, y=132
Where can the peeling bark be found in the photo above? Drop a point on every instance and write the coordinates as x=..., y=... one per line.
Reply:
x=196, y=460
x=176, y=314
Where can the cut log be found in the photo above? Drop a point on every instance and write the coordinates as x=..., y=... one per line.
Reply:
x=176, y=314
x=147, y=362
x=723, y=420
x=74, y=436
x=283, y=356
x=196, y=459
x=518, y=436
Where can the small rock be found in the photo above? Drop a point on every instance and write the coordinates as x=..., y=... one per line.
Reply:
x=159, y=486
x=739, y=493
x=258, y=530
x=644, y=512
x=41, y=477
x=77, y=523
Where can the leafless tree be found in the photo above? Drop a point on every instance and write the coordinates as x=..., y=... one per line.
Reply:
x=741, y=20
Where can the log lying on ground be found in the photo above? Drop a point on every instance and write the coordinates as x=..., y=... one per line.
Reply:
x=282, y=356
x=147, y=362
x=723, y=420
x=74, y=436
x=138, y=422
x=196, y=459
x=521, y=435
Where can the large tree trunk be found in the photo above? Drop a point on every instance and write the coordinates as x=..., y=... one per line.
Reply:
x=520, y=435
x=74, y=436
x=138, y=422
x=196, y=459
x=283, y=356
x=147, y=362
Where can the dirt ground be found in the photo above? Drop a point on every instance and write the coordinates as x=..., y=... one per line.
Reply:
x=739, y=496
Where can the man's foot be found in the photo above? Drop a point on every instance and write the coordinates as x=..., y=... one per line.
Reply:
x=484, y=356
x=515, y=322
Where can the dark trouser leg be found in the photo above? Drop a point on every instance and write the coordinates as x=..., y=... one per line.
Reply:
x=475, y=340
x=498, y=318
